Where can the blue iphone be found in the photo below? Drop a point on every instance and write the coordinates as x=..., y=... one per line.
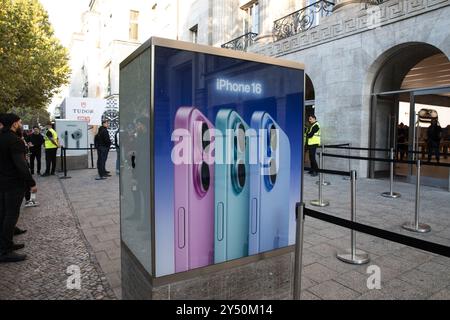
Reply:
x=232, y=187
x=269, y=185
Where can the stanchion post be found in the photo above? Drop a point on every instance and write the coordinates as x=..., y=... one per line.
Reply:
x=298, y=251
x=353, y=256
x=349, y=161
x=64, y=156
x=92, y=157
x=391, y=193
x=416, y=226
x=320, y=202
x=322, y=165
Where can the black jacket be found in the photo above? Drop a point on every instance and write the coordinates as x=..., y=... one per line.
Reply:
x=14, y=171
x=37, y=140
x=102, y=138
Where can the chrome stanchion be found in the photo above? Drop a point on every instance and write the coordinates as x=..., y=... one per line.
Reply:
x=298, y=252
x=353, y=256
x=349, y=162
x=416, y=226
x=391, y=193
x=320, y=202
x=322, y=165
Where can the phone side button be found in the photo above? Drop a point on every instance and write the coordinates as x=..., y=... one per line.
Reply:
x=181, y=228
x=254, y=219
x=220, y=222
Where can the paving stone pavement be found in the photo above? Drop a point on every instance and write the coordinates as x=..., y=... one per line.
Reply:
x=406, y=273
x=53, y=243
x=96, y=205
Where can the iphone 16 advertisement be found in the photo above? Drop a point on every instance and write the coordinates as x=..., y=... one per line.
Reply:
x=228, y=153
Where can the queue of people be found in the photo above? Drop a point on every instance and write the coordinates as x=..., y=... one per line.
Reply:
x=15, y=181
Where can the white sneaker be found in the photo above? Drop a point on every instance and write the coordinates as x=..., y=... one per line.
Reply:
x=29, y=204
x=35, y=203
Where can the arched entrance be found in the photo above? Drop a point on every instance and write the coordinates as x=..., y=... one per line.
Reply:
x=310, y=96
x=409, y=77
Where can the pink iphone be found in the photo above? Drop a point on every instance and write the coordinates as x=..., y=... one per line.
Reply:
x=194, y=190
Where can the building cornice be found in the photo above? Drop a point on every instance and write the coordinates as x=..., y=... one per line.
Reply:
x=350, y=22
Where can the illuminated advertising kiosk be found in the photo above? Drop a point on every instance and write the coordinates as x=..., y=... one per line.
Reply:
x=211, y=161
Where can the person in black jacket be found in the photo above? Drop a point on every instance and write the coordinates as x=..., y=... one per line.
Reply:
x=35, y=142
x=15, y=178
x=102, y=143
x=434, y=132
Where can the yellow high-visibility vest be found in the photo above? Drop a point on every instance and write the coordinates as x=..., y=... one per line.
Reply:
x=48, y=144
x=315, y=139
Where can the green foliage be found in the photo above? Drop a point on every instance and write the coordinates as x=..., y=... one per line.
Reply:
x=32, y=116
x=33, y=63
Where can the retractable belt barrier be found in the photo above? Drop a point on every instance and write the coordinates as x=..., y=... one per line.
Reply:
x=435, y=164
x=64, y=158
x=379, y=233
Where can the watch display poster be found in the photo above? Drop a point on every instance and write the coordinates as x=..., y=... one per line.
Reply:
x=212, y=154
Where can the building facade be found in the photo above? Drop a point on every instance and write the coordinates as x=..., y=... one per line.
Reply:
x=354, y=52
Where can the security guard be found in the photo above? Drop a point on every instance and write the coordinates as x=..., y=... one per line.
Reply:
x=313, y=142
x=51, y=145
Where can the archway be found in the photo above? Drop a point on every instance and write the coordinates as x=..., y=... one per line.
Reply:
x=408, y=76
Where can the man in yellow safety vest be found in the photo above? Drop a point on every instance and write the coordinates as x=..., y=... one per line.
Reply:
x=51, y=145
x=313, y=142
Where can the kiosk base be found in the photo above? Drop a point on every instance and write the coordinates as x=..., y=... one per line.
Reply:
x=269, y=278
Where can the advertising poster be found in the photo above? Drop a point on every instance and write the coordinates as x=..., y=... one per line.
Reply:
x=89, y=110
x=228, y=150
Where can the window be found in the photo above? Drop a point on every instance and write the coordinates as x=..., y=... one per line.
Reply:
x=134, y=25
x=251, y=20
x=194, y=33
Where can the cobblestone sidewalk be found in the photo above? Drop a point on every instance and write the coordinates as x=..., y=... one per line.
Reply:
x=53, y=243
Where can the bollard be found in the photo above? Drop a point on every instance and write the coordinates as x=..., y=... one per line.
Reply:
x=322, y=165
x=92, y=157
x=416, y=226
x=64, y=155
x=298, y=251
x=320, y=202
x=391, y=193
x=353, y=256
x=349, y=162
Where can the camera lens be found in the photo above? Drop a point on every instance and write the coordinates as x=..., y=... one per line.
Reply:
x=205, y=176
x=240, y=137
x=273, y=137
x=273, y=171
x=241, y=174
x=206, y=139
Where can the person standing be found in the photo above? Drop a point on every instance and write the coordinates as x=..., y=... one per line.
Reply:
x=312, y=143
x=15, y=178
x=434, y=132
x=102, y=143
x=51, y=145
x=35, y=142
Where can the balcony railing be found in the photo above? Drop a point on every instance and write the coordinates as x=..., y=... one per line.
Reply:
x=241, y=43
x=301, y=20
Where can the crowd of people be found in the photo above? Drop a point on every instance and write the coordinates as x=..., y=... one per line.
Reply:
x=16, y=182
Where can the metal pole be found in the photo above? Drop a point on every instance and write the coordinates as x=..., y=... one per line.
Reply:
x=62, y=159
x=298, y=251
x=391, y=193
x=322, y=165
x=349, y=162
x=320, y=202
x=92, y=157
x=64, y=155
x=353, y=256
x=416, y=226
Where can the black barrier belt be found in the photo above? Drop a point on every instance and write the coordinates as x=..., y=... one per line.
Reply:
x=337, y=145
x=423, y=163
x=80, y=148
x=357, y=148
x=380, y=233
x=335, y=172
